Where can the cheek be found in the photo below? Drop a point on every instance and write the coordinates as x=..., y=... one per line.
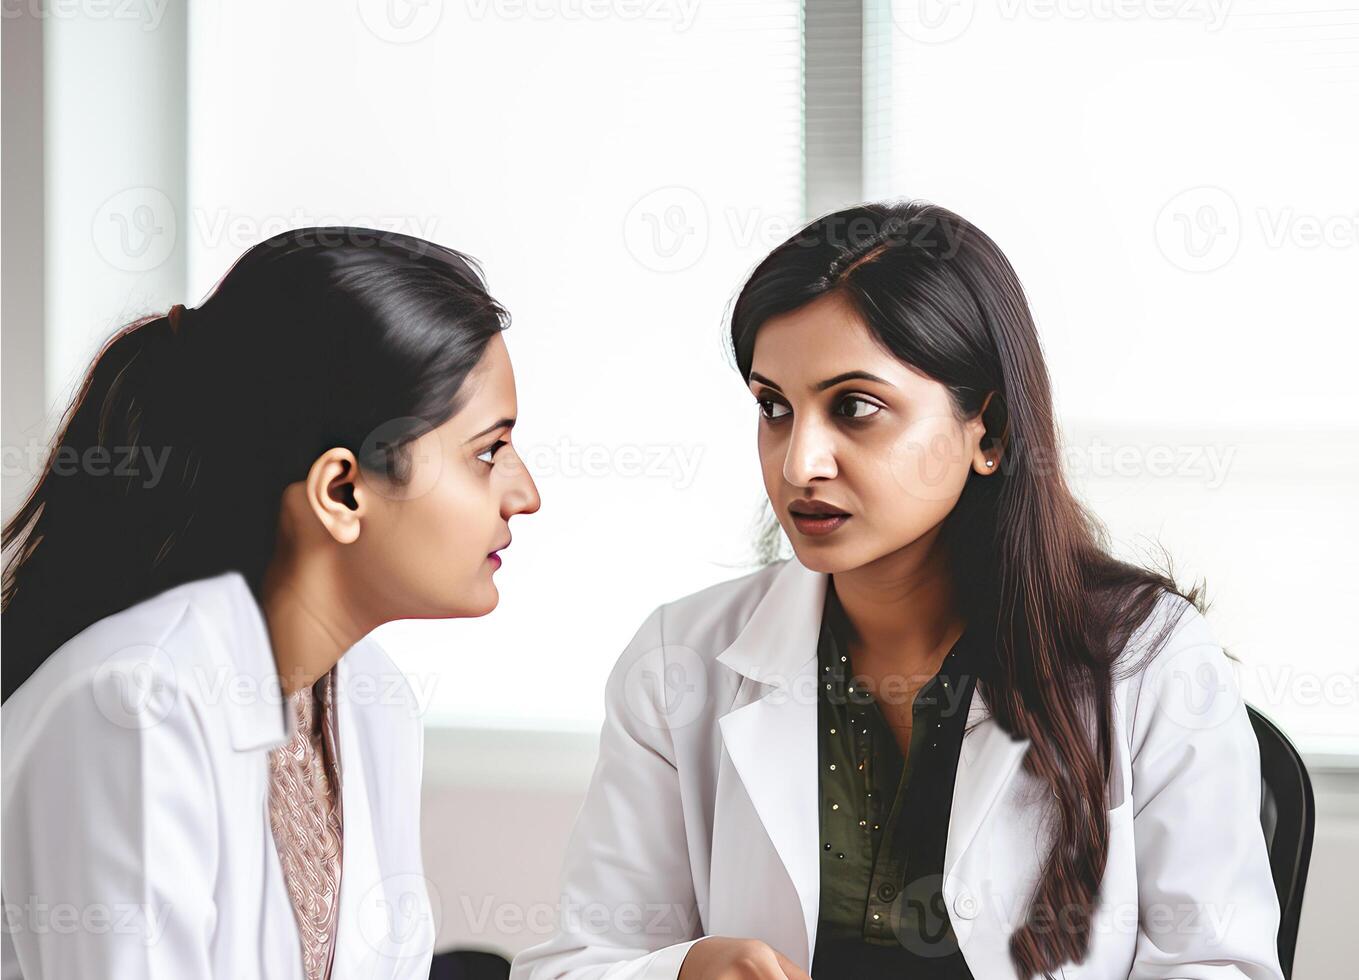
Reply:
x=445, y=527
x=457, y=516
x=772, y=451
x=926, y=463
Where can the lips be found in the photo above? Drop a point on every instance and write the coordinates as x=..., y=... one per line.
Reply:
x=814, y=518
x=815, y=508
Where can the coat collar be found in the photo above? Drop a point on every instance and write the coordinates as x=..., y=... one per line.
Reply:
x=247, y=675
x=770, y=737
x=259, y=719
x=781, y=635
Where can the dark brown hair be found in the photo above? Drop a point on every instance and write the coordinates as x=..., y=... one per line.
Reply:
x=172, y=458
x=1032, y=566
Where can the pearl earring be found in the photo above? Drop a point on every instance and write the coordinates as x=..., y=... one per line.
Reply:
x=990, y=462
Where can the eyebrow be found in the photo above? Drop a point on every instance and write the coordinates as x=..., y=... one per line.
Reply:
x=502, y=424
x=828, y=383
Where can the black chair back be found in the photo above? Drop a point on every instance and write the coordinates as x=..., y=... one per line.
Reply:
x=1288, y=815
x=468, y=964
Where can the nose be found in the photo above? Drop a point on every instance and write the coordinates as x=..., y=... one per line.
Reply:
x=522, y=497
x=811, y=454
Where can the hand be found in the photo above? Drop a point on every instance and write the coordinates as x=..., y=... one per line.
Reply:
x=722, y=958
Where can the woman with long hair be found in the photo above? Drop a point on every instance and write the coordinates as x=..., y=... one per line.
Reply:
x=952, y=735
x=210, y=770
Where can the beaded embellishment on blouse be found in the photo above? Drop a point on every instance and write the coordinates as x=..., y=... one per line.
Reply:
x=305, y=816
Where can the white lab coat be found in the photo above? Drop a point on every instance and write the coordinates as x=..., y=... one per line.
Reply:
x=701, y=818
x=135, y=803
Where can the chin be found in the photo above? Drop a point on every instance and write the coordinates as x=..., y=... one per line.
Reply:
x=835, y=559
x=474, y=599
x=486, y=601
x=821, y=559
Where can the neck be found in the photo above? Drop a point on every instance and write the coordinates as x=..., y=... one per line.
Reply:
x=902, y=606
x=311, y=620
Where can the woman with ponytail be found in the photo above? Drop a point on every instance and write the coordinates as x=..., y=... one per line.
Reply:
x=951, y=736
x=210, y=769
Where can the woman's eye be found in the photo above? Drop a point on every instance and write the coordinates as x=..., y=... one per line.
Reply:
x=864, y=403
x=490, y=451
x=767, y=408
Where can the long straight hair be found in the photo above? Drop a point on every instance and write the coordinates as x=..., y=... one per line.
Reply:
x=171, y=460
x=1031, y=565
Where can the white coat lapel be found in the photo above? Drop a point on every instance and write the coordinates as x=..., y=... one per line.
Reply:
x=988, y=761
x=375, y=932
x=772, y=739
x=364, y=934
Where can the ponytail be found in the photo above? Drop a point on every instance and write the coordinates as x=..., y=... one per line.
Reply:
x=115, y=483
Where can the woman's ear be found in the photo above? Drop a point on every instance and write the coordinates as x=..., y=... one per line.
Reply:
x=989, y=448
x=335, y=494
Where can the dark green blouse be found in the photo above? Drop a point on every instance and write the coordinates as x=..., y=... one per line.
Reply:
x=884, y=818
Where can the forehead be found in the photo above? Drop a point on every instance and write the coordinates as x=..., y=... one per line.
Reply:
x=494, y=371
x=488, y=392
x=821, y=339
